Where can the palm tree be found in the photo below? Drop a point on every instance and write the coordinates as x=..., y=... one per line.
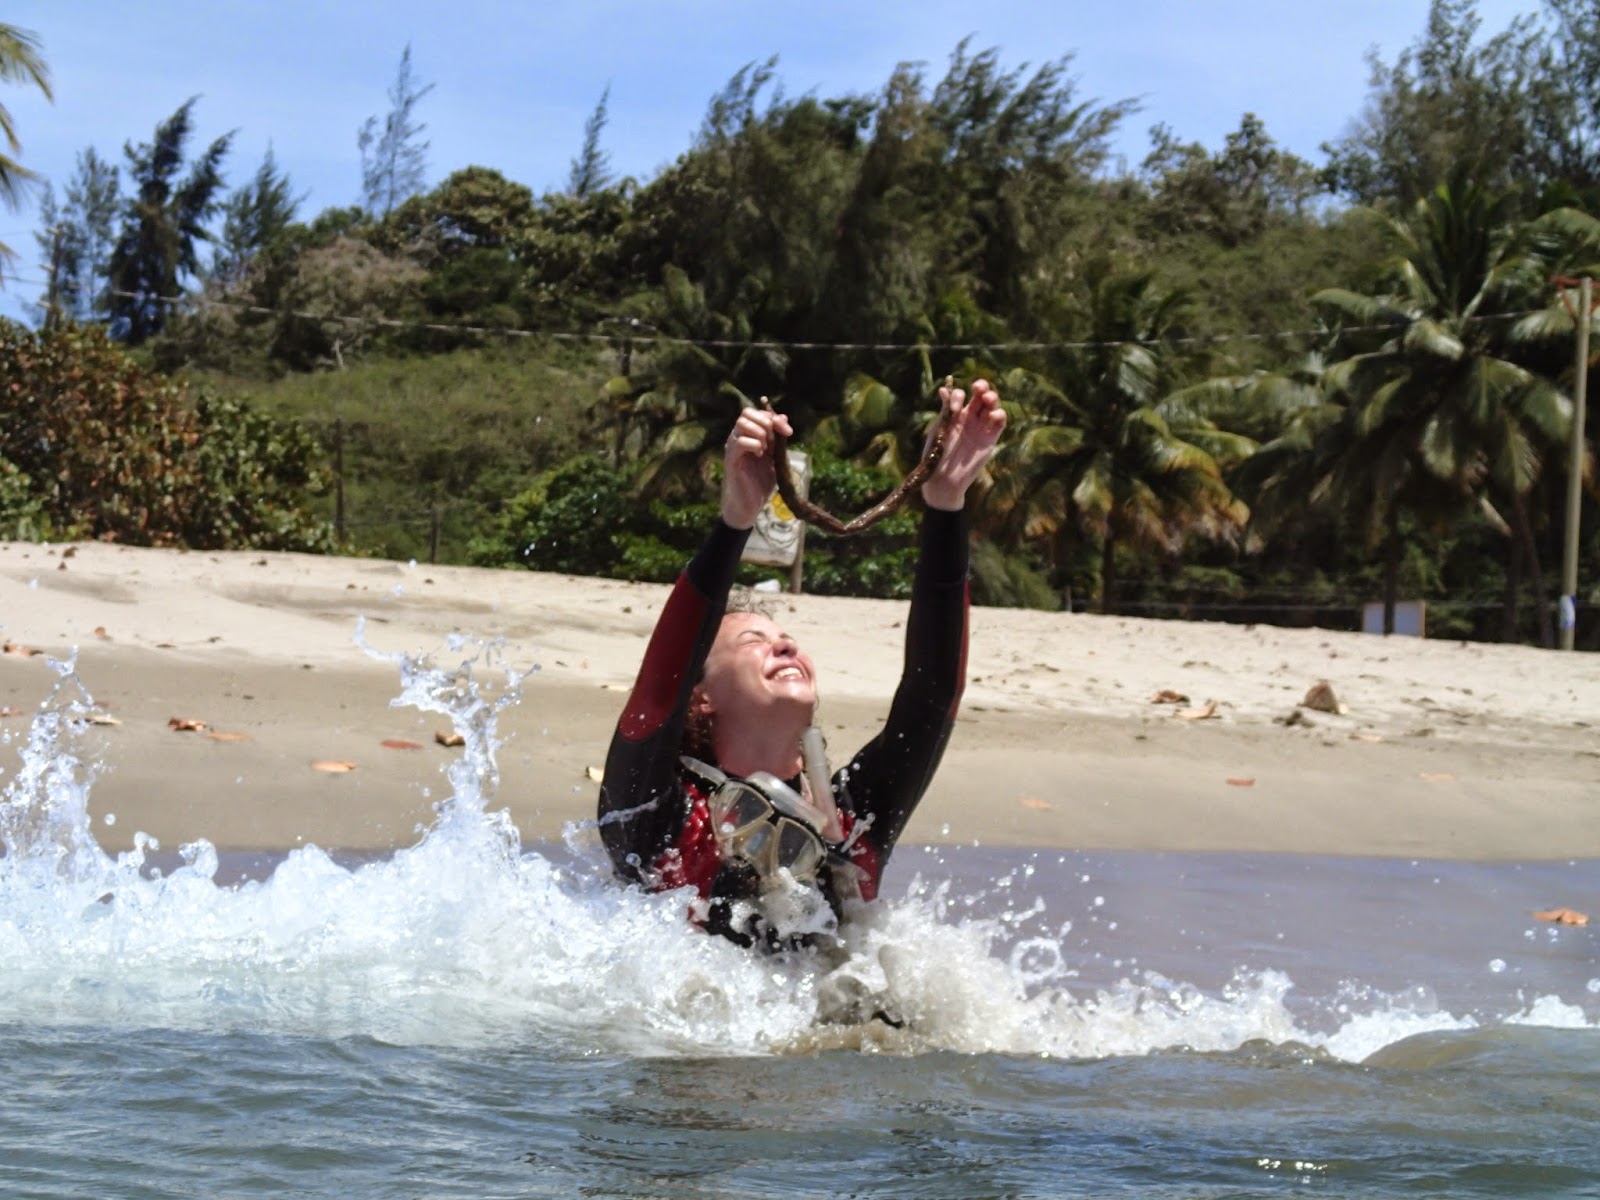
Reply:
x=1438, y=413
x=20, y=62
x=1103, y=446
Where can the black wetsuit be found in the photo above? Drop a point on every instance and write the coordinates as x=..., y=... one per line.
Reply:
x=654, y=817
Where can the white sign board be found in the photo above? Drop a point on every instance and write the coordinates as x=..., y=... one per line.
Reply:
x=775, y=541
x=1410, y=618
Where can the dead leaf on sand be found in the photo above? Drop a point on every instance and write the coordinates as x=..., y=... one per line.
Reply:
x=596, y=774
x=1035, y=803
x=1204, y=713
x=186, y=724
x=1366, y=737
x=100, y=632
x=1436, y=776
x=1168, y=696
x=615, y=687
x=400, y=744
x=17, y=651
x=226, y=735
x=10, y=712
x=448, y=738
x=333, y=766
x=1563, y=916
x=1241, y=781
x=96, y=718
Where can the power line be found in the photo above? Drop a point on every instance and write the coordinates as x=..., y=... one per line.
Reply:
x=657, y=338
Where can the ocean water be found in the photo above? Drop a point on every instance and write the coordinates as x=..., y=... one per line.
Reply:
x=474, y=1017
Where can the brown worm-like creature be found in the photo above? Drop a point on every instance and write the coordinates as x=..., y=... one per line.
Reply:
x=825, y=520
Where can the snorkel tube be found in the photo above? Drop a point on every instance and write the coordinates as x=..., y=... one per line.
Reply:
x=814, y=752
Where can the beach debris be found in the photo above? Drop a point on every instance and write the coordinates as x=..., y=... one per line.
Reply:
x=226, y=735
x=6, y=711
x=1436, y=776
x=1562, y=916
x=94, y=718
x=447, y=737
x=1241, y=781
x=1320, y=698
x=186, y=724
x=18, y=651
x=100, y=632
x=332, y=766
x=1035, y=803
x=70, y=552
x=596, y=774
x=614, y=687
x=1366, y=737
x=1168, y=696
x=400, y=744
x=1204, y=713
x=165, y=646
x=1295, y=717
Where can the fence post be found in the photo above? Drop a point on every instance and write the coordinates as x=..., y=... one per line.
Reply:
x=338, y=479
x=433, y=535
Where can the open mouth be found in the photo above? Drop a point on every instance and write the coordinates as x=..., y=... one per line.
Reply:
x=786, y=673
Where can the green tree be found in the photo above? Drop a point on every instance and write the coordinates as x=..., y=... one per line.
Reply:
x=254, y=217
x=20, y=62
x=394, y=160
x=1449, y=101
x=1232, y=196
x=162, y=221
x=591, y=170
x=115, y=451
x=76, y=239
x=1440, y=412
x=1102, y=447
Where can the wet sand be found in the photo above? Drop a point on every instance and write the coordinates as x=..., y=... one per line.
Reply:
x=1446, y=750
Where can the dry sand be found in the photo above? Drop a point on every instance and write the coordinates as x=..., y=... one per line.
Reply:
x=1447, y=749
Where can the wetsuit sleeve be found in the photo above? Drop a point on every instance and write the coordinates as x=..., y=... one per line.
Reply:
x=641, y=807
x=885, y=781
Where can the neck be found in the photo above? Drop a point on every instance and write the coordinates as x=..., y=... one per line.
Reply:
x=773, y=747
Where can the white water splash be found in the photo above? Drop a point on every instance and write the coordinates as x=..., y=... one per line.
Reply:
x=467, y=938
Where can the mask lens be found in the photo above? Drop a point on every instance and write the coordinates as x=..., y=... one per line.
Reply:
x=799, y=850
x=741, y=807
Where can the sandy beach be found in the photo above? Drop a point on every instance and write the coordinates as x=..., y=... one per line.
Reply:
x=1445, y=750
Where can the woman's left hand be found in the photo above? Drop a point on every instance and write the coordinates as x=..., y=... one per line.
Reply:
x=976, y=424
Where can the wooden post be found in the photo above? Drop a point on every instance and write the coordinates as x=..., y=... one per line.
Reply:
x=338, y=479
x=1569, y=561
x=433, y=535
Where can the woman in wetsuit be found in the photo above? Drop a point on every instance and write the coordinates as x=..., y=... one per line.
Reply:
x=705, y=782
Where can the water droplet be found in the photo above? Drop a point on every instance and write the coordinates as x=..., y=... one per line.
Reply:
x=1497, y=965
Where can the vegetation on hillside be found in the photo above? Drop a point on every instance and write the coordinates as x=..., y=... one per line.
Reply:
x=1242, y=384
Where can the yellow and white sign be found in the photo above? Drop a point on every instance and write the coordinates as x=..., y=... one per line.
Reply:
x=775, y=540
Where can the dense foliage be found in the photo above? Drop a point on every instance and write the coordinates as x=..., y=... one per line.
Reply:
x=93, y=445
x=1241, y=383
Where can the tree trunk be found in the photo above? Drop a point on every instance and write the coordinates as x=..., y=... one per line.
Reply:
x=1508, y=623
x=1530, y=551
x=1391, y=569
x=1108, y=568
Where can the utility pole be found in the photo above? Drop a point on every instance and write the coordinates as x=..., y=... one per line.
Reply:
x=1569, y=561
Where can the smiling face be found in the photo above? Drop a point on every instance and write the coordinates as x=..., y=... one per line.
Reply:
x=755, y=670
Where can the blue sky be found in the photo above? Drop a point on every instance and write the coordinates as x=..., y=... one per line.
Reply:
x=515, y=82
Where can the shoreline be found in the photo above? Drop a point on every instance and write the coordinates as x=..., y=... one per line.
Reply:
x=1448, y=750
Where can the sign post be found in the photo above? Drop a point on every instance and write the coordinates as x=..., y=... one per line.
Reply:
x=779, y=537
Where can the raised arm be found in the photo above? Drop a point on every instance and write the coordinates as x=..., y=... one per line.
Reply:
x=640, y=809
x=886, y=780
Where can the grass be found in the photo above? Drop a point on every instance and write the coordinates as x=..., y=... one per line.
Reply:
x=462, y=432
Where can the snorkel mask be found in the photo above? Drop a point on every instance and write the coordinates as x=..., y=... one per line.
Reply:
x=761, y=821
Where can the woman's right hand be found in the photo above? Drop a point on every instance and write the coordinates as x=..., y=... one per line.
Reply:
x=747, y=476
